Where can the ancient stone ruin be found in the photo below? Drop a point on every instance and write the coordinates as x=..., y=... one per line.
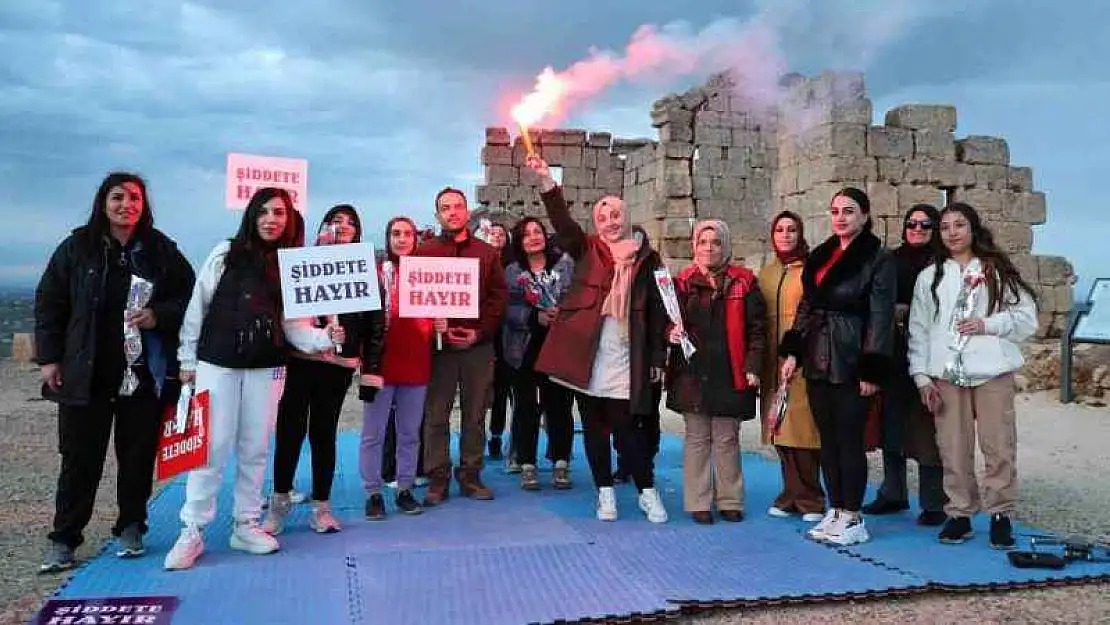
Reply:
x=720, y=153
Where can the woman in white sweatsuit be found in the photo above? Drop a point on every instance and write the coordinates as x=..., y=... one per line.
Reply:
x=970, y=391
x=238, y=355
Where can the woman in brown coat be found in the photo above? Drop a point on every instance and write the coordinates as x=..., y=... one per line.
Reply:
x=797, y=441
x=607, y=342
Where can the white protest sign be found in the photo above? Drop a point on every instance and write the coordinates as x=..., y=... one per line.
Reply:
x=247, y=173
x=438, y=288
x=328, y=280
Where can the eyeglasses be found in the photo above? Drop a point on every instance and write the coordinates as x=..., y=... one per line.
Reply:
x=919, y=224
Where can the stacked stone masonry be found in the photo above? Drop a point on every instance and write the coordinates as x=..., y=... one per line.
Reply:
x=724, y=154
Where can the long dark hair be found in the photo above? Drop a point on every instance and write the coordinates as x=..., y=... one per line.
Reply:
x=516, y=241
x=394, y=258
x=247, y=247
x=98, y=226
x=1003, y=288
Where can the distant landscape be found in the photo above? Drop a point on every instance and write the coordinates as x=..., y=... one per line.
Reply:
x=17, y=314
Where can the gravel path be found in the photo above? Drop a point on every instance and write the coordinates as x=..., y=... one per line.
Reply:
x=1063, y=461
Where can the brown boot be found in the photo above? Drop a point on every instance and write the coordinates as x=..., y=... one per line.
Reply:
x=439, y=483
x=470, y=483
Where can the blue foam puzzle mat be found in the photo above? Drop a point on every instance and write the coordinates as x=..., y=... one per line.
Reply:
x=535, y=557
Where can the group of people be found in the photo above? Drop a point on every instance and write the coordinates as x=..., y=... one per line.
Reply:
x=813, y=343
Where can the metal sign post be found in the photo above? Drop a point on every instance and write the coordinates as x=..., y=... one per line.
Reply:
x=1088, y=322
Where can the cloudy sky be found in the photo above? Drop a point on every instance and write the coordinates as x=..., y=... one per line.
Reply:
x=388, y=100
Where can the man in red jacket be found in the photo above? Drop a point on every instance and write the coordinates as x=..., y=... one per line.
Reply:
x=465, y=364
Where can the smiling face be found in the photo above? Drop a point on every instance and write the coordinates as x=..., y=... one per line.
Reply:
x=402, y=238
x=919, y=228
x=451, y=212
x=272, y=219
x=846, y=216
x=344, y=227
x=609, y=220
x=955, y=233
x=124, y=205
x=785, y=237
x=533, y=240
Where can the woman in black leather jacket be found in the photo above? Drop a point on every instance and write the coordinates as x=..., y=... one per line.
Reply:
x=843, y=339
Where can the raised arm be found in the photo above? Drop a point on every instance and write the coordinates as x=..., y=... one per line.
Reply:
x=570, y=236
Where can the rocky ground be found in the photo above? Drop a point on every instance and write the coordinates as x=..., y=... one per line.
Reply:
x=1062, y=462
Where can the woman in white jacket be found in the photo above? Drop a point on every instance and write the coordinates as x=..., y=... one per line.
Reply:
x=970, y=311
x=238, y=355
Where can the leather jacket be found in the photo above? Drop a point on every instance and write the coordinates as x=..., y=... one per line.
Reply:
x=844, y=329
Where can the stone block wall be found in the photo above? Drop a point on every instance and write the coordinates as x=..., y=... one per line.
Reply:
x=724, y=155
x=592, y=167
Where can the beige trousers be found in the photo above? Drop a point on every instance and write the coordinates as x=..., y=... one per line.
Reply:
x=986, y=412
x=711, y=470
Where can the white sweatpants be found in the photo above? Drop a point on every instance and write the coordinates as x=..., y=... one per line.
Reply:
x=244, y=405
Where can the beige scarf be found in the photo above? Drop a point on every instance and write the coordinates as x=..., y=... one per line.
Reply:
x=619, y=300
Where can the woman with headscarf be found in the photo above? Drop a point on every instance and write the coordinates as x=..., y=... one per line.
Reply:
x=315, y=386
x=650, y=423
x=607, y=342
x=795, y=438
x=235, y=344
x=842, y=337
x=907, y=427
x=715, y=388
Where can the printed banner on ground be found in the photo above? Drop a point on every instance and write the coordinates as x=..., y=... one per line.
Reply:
x=246, y=173
x=184, y=449
x=438, y=288
x=329, y=280
x=114, y=610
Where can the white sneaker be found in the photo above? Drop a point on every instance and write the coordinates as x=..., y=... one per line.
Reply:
x=820, y=531
x=652, y=506
x=250, y=537
x=189, y=546
x=851, y=531
x=280, y=505
x=322, y=520
x=606, y=504
x=812, y=517
x=297, y=497
x=778, y=513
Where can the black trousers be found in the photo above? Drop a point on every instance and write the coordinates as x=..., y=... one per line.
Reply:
x=840, y=413
x=603, y=417
x=500, y=392
x=83, y=433
x=534, y=393
x=389, y=451
x=649, y=424
x=311, y=403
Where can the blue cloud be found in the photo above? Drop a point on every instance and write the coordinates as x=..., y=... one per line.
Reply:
x=388, y=102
